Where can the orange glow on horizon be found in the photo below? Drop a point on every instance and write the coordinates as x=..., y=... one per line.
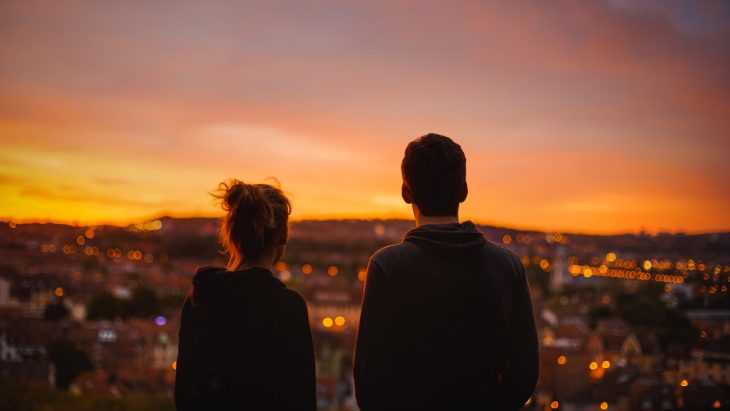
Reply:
x=597, y=229
x=560, y=136
x=59, y=191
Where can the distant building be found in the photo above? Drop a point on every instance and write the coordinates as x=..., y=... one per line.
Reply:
x=563, y=360
x=559, y=275
x=4, y=291
x=715, y=323
x=98, y=382
x=652, y=394
x=331, y=302
x=135, y=356
x=614, y=341
x=655, y=394
x=707, y=361
x=34, y=307
x=23, y=353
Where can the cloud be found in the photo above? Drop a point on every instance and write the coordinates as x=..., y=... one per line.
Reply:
x=325, y=95
x=75, y=195
x=267, y=141
x=6, y=179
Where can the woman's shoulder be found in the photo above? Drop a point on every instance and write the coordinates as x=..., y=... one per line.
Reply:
x=291, y=298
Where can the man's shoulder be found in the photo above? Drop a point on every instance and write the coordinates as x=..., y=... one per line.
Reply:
x=500, y=251
x=394, y=252
x=405, y=250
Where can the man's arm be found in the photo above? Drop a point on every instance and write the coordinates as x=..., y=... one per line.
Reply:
x=522, y=348
x=372, y=368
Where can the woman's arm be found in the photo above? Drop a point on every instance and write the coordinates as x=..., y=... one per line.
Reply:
x=293, y=355
x=183, y=386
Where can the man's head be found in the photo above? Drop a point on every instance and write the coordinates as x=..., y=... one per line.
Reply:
x=434, y=175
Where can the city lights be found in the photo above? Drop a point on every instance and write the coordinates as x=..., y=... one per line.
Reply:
x=148, y=226
x=333, y=319
x=114, y=252
x=606, y=271
x=595, y=232
x=545, y=264
x=106, y=335
x=48, y=248
x=91, y=250
x=281, y=266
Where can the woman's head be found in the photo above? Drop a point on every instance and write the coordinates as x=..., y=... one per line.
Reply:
x=256, y=221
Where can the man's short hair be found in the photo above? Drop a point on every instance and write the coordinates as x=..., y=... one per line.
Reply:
x=434, y=170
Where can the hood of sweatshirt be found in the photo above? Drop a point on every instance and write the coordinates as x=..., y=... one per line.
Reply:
x=215, y=286
x=449, y=239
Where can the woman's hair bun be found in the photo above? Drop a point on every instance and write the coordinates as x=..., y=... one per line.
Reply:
x=257, y=218
x=234, y=192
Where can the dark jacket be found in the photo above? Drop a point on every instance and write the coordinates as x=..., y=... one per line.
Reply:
x=245, y=344
x=446, y=324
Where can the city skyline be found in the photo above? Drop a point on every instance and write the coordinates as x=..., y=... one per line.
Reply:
x=601, y=117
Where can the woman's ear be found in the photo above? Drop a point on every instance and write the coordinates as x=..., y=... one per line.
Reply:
x=405, y=192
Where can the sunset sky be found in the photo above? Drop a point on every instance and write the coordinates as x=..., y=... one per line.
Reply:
x=586, y=116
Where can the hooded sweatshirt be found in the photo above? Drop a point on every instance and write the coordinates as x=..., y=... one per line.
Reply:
x=446, y=324
x=245, y=344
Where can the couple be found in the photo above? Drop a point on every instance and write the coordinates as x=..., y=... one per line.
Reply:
x=446, y=321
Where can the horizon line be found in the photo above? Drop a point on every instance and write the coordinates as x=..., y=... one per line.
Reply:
x=181, y=216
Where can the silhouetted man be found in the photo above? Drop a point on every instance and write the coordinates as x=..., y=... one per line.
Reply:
x=447, y=320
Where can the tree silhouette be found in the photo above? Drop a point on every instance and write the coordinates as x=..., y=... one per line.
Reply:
x=104, y=306
x=68, y=360
x=55, y=311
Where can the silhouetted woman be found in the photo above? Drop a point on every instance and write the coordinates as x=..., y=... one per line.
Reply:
x=245, y=342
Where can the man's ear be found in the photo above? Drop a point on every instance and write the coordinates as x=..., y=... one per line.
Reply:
x=405, y=192
x=280, y=249
x=463, y=193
